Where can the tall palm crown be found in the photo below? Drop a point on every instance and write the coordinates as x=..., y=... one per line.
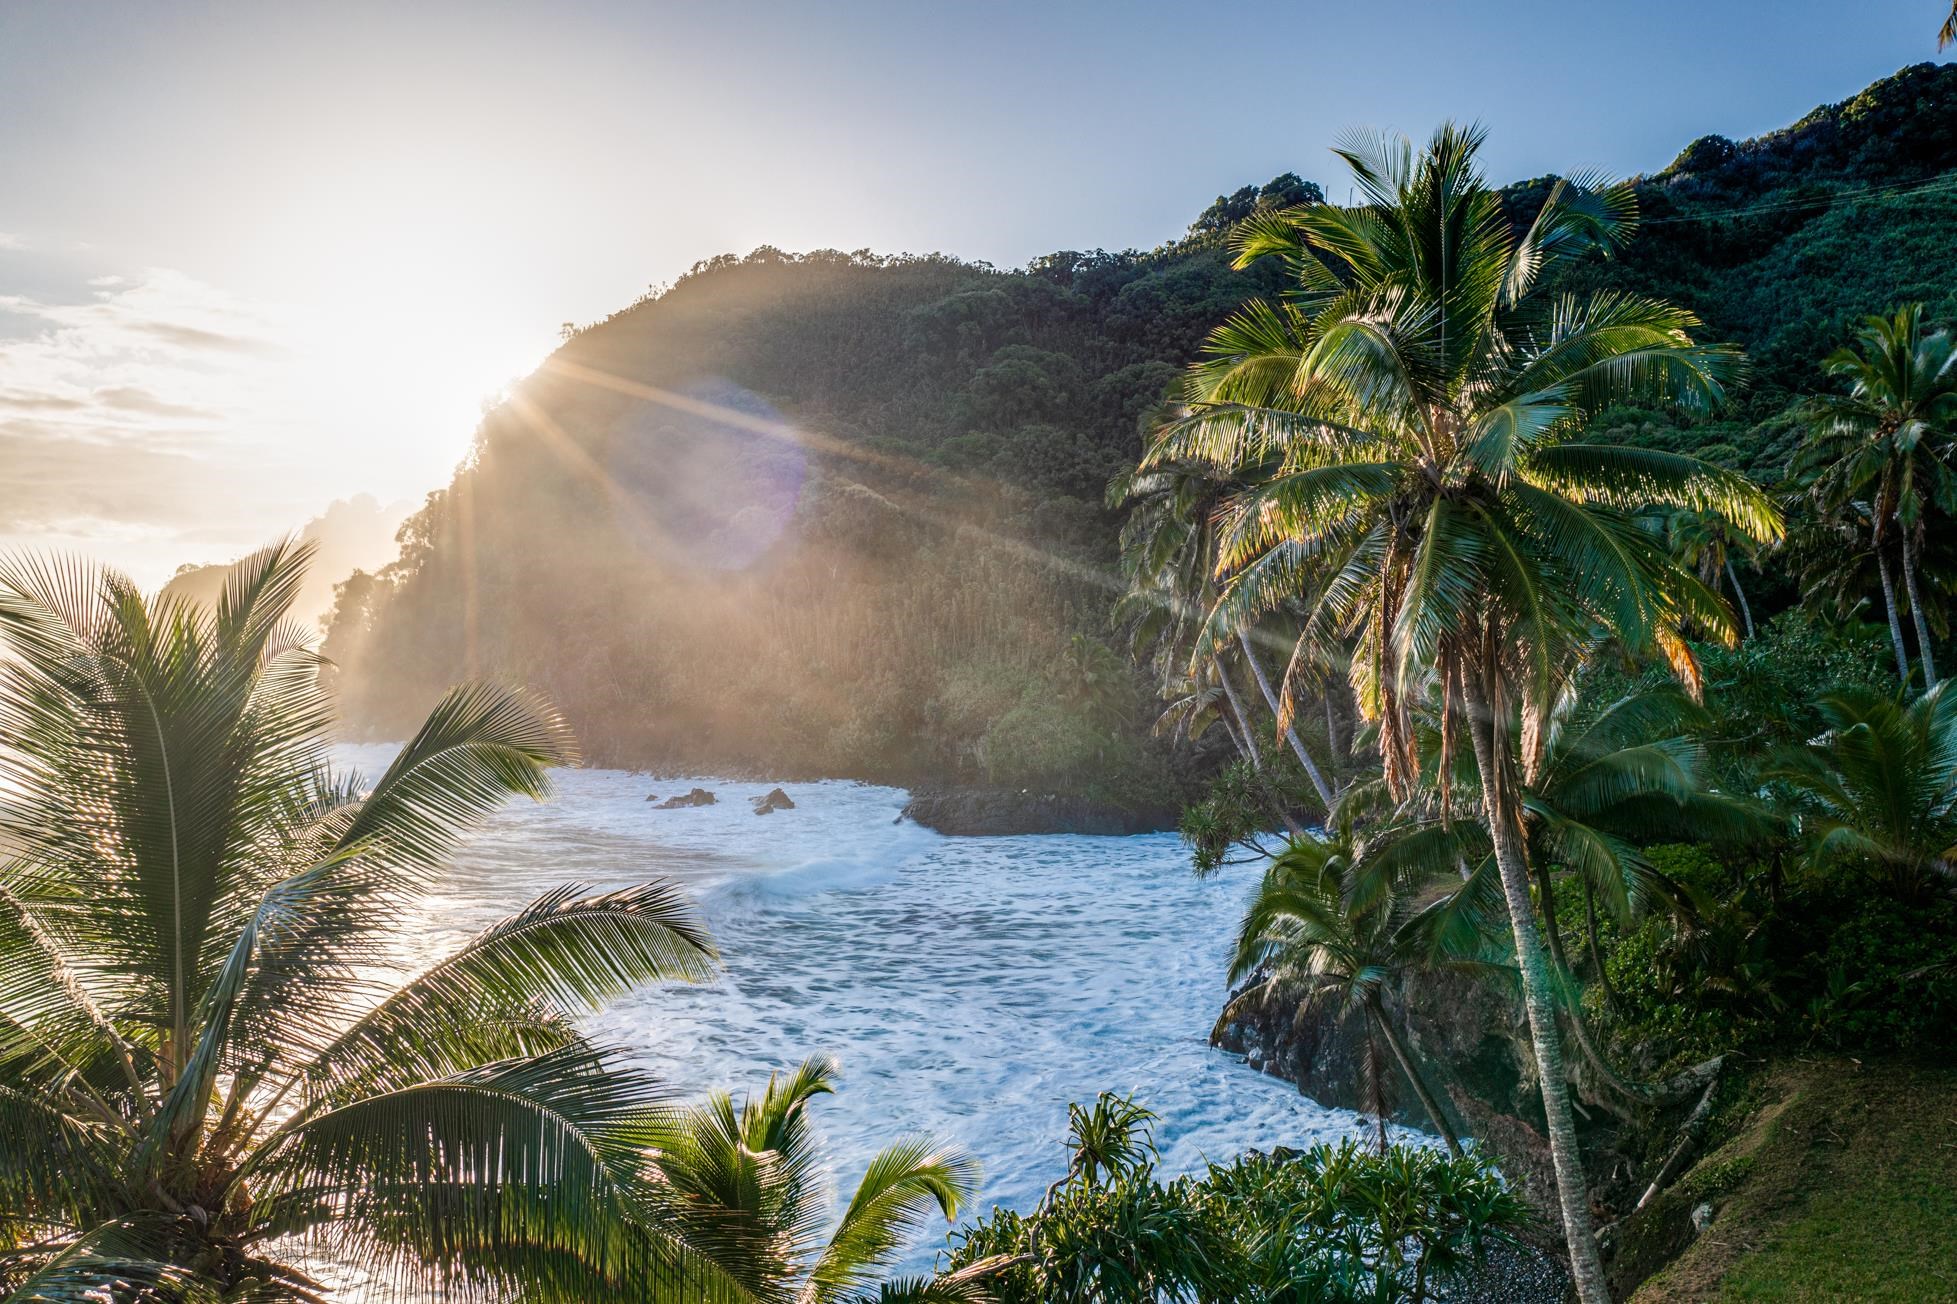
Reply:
x=1408, y=421
x=1168, y=553
x=1883, y=450
x=1414, y=404
x=1168, y=556
x=214, y=1068
x=1709, y=547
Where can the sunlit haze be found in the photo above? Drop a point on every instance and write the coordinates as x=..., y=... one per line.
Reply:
x=254, y=259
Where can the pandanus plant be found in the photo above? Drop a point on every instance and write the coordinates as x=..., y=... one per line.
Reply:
x=217, y=1079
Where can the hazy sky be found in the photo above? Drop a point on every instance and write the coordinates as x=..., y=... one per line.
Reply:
x=258, y=256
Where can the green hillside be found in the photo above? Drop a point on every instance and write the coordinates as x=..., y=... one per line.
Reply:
x=841, y=514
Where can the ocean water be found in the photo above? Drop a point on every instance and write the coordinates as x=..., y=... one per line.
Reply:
x=969, y=987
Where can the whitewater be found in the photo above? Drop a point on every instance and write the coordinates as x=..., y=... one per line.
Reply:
x=968, y=987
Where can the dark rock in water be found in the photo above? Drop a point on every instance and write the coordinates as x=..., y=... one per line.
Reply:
x=774, y=801
x=697, y=797
x=652, y=796
x=998, y=812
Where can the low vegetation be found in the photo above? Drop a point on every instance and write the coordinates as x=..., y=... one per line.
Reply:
x=1337, y=1224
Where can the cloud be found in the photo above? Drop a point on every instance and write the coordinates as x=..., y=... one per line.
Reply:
x=142, y=420
x=133, y=398
x=53, y=479
x=193, y=337
x=11, y=241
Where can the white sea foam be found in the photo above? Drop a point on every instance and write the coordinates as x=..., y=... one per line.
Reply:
x=970, y=987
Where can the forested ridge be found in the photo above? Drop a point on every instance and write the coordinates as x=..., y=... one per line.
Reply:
x=919, y=582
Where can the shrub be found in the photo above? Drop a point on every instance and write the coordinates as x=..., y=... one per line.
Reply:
x=1331, y=1224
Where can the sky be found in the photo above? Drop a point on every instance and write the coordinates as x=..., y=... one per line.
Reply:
x=259, y=257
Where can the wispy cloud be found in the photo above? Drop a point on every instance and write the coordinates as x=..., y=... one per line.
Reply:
x=11, y=241
x=136, y=422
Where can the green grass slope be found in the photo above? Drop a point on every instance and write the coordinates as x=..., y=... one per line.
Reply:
x=1837, y=1181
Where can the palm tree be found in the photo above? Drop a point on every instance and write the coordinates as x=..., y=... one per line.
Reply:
x=1409, y=416
x=1347, y=927
x=1168, y=551
x=749, y=1181
x=1887, y=444
x=1880, y=786
x=1705, y=544
x=1613, y=779
x=215, y=1072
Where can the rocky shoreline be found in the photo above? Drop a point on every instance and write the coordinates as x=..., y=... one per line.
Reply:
x=1475, y=1037
x=1005, y=812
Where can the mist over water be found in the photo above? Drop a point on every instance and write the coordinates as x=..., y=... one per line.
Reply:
x=969, y=987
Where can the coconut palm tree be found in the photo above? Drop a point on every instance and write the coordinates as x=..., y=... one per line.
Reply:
x=1345, y=927
x=1880, y=786
x=1613, y=779
x=217, y=1072
x=1168, y=552
x=1705, y=544
x=1406, y=423
x=1887, y=443
x=749, y=1182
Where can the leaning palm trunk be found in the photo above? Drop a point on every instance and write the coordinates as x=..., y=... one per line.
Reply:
x=1377, y=1009
x=1895, y=624
x=1916, y=611
x=1291, y=735
x=1739, y=594
x=1503, y=814
x=1249, y=735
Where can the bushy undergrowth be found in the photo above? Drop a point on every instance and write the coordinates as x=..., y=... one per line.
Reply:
x=1825, y=961
x=1331, y=1224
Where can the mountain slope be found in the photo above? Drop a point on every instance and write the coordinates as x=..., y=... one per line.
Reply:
x=840, y=514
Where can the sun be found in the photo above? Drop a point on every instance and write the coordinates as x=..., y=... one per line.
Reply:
x=398, y=358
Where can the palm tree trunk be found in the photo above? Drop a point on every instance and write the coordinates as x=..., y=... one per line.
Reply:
x=1413, y=1075
x=1248, y=734
x=1276, y=800
x=1236, y=739
x=1538, y=996
x=1916, y=612
x=1746, y=608
x=1565, y=975
x=1895, y=625
x=1291, y=735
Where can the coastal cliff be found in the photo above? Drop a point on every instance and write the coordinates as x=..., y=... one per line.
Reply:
x=1474, y=1038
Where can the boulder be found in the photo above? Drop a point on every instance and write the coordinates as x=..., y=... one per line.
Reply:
x=697, y=797
x=775, y=800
